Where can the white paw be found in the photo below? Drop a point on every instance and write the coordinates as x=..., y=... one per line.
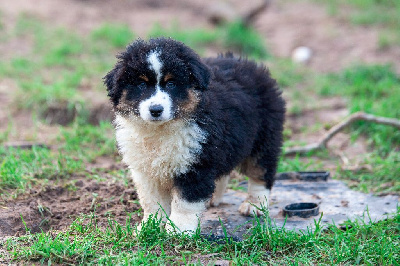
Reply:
x=179, y=229
x=252, y=208
x=170, y=228
x=138, y=229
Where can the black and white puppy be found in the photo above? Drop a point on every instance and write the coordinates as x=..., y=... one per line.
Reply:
x=184, y=123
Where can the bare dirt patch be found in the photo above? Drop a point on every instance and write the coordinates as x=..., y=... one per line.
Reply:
x=57, y=206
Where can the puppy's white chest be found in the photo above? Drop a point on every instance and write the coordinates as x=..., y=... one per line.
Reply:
x=159, y=151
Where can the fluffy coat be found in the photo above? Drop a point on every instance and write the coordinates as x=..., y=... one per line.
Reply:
x=184, y=123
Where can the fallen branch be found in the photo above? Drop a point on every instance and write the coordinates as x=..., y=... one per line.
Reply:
x=25, y=145
x=359, y=116
x=249, y=18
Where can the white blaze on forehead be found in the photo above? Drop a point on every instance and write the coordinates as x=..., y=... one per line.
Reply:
x=160, y=97
x=155, y=64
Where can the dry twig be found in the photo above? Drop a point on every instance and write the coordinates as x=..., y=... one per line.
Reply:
x=249, y=18
x=322, y=144
x=25, y=145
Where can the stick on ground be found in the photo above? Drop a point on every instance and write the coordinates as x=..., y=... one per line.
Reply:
x=359, y=116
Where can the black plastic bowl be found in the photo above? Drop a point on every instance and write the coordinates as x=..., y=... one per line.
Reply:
x=304, y=176
x=302, y=209
x=314, y=176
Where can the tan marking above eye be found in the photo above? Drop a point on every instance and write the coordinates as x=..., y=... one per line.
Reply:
x=168, y=77
x=144, y=78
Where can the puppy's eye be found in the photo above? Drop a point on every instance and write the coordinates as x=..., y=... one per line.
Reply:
x=142, y=85
x=170, y=85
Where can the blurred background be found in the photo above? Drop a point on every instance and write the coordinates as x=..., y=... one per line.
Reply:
x=330, y=57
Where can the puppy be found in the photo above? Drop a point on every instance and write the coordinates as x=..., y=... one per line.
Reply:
x=184, y=123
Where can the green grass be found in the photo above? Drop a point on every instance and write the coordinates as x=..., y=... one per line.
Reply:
x=196, y=38
x=373, y=89
x=368, y=12
x=37, y=94
x=383, y=175
x=244, y=39
x=235, y=36
x=21, y=169
x=377, y=13
x=117, y=35
x=288, y=74
x=64, y=49
x=87, y=141
x=86, y=242
x=59, y=61
x=18, y=168
x=296, y=164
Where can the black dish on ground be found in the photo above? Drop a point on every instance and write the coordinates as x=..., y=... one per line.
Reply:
x=302, y=209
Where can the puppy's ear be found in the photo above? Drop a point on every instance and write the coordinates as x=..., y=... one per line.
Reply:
x=111, y=82
x=199, y=74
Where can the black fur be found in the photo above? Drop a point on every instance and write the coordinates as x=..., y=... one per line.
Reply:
x=240, y=107
x=244, y=112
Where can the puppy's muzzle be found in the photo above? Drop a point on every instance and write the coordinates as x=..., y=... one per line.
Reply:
x=156, y=110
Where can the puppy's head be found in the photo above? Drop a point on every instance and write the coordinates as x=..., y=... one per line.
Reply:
x=157, y=81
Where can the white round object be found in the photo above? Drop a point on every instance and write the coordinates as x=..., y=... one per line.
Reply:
x=301, y=54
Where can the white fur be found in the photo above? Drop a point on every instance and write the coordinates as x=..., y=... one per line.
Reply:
x=159, y=151
x=185, y=215
x=155, y=63
x=154, y=196
x=160, y=97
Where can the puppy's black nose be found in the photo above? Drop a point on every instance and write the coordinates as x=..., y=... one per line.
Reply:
x=156, y=110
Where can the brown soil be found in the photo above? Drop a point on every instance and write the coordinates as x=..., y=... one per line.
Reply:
x=56, y=206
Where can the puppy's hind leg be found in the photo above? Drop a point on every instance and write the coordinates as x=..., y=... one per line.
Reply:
x=258, y=192
x=220, y=188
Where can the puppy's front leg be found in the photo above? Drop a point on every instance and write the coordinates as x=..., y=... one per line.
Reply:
x=152, y=194
x=185, y=215
x=190, y=194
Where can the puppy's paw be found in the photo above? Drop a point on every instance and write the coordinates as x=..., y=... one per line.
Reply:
x=220, y=188
x=215, y=201
x=138, y=229
x=170, y=228
x=252, y=207
x=179, y=229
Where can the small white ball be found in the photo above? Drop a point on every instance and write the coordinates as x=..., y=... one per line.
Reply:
x=301, y=54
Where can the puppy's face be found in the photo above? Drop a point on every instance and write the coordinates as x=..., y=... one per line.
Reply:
x=157, y=81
